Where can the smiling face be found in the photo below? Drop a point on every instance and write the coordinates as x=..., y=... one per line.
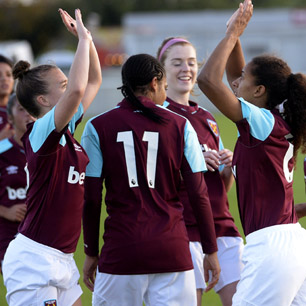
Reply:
x=181, y=69
x=6, y=80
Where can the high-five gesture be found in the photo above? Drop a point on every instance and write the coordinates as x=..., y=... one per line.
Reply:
x=239, y=20
x=75, y=26
x=210, y=79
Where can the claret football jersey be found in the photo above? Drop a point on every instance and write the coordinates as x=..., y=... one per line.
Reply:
x=140, y=161
x=209, y=137
x=263, y=166
x=12, y=187
x=56, y=165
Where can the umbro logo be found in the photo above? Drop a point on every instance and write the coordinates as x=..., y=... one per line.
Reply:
x=77, y=147
x=12, y=169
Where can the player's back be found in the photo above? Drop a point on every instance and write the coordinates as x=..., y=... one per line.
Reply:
x=141, y=163
x=141, y=158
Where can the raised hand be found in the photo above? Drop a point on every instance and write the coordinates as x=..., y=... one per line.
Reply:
x=75, y=26
x=239, y=20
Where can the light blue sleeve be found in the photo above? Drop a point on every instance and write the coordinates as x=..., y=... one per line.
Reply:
x=5, y=145
x=261, y=120
x=192, y=149
x=221, y=147
x=43, y=127
x=91, y=144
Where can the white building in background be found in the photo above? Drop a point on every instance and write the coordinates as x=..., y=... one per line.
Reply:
x=278, y=31
x=281, y=32
x=17, y=50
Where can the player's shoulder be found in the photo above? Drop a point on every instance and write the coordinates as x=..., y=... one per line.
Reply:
x=104, y=115
x=172, y=115
x=205, y=112
x=101, y=121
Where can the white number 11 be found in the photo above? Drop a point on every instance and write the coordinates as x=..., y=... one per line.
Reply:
x=129, y=151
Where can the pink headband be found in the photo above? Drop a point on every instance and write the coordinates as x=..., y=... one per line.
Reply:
x=169, y=44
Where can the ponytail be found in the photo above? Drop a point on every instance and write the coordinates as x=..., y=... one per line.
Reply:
x=295, y=110
x=281, y=85
x=137, y=73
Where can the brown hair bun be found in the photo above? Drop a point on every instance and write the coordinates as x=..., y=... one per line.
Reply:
x=20, y=69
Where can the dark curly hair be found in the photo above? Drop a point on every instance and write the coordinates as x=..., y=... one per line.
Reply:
x=283, y=86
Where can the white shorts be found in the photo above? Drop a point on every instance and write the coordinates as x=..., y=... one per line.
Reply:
x=275, y=267
x=35, y=274
x=230, y=260
x=230, y=251
x=197, y=261
x=162, y=289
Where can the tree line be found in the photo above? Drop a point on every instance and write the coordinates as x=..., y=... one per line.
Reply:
x=40, y=24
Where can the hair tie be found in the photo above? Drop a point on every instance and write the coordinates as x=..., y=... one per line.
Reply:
x=170, y=43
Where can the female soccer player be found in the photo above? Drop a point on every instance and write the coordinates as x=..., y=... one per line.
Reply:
x=140, y=151
x=38, y=267
x=12, y=175
x=179, y=59
x=6, y=88
x=268, y=106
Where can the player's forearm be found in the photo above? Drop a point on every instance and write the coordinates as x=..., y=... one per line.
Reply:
x=91, y=215
x=235, y=63
x=228, y=178
x=95, y=73
x=199, y=200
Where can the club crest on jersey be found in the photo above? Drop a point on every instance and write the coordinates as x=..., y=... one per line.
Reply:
x=213, y=126
x=50, y=303
x=12, y=169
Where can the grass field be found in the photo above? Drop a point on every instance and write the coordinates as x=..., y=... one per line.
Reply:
x=229, y=135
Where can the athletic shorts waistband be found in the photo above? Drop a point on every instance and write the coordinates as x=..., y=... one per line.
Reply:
x=257, y=235
x=39, y=247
